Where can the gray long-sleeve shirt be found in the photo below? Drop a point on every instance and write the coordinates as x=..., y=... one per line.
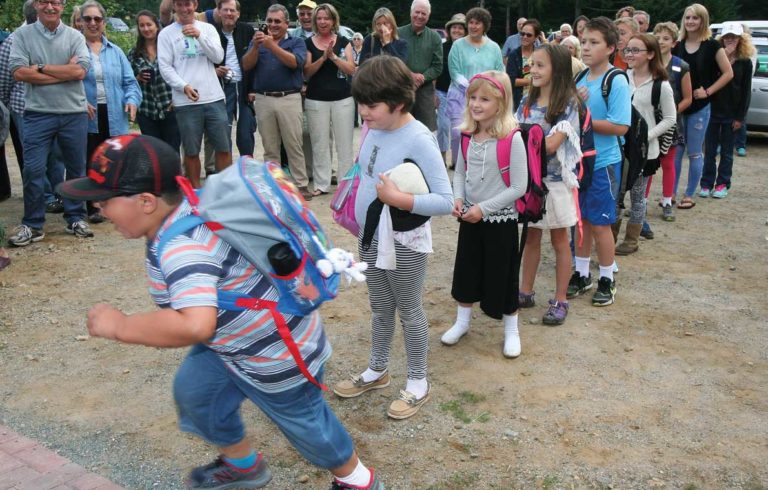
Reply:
x=480, y=182
x=34, y=44
x=384, y=150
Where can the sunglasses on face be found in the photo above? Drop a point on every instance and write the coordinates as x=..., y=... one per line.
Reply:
x=527, y=34
x=274, y=21
x=88, y=19
x=52, y=3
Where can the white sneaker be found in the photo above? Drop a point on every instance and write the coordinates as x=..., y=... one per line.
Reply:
x=454, y=334
x=512, y=346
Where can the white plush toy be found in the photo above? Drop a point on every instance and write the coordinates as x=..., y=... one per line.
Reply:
x=342, y=262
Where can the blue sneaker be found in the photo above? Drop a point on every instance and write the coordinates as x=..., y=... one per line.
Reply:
x=742, y=152
x=720, y=192
x=525, y=300
x=705, y=192
x=221, y=475
x=646, y=232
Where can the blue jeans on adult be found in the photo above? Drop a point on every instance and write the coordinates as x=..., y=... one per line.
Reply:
x=55, y=167
x=695, y=126
x=164, y=129
x=40, y=132
x=246, y=119
x=443, y=122
x=719, y=132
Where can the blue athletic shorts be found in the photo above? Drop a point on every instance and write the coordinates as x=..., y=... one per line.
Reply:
x=598, y=203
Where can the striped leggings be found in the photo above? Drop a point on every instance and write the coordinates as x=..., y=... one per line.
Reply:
x=401, y=290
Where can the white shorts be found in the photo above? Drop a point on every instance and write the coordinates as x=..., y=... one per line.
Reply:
x=561, y=208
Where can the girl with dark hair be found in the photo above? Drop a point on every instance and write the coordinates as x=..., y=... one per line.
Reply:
x=554, y=104
x=155, y=115
x=646, y=69
x=518, y=63
x=578, y=25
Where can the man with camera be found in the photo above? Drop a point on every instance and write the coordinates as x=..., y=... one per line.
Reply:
x=277, y=59
x=235, y=36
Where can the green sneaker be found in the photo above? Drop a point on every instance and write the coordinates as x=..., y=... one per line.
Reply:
x=606, y=291
x=578, y=285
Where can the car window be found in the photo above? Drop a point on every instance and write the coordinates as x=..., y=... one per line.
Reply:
x=762, y=61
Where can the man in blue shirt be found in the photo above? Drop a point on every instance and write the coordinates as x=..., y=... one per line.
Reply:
x=278, y=62
x=513, y=42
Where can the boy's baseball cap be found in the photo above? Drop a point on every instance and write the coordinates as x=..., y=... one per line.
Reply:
x=126, y=165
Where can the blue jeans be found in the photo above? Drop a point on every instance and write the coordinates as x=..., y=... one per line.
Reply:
x=443, y=122
x=695, y=126
x=164, y=129
x=55, y=167
x=741, y=136
x=246, y=118
x=719, y=132
x=40, y=132
x=208, y=397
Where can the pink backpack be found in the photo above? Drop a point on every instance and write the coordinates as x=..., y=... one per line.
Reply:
x=532, y=205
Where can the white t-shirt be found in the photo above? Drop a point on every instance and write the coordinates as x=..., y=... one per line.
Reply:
x=230, y=59
x=188, y=61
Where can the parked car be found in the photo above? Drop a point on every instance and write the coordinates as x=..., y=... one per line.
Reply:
x=117, y=24
x=757, y=115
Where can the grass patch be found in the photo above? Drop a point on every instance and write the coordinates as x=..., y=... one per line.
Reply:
x=457, y=481
x=458, y=407
x=549, y=482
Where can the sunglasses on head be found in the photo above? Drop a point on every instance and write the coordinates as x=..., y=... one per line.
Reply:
x=88, y=19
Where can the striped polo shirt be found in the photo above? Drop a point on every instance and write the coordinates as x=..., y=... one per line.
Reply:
x=197, y=263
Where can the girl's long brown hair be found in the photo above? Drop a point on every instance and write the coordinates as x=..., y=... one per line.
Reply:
x=563, y=91
x=655, y=64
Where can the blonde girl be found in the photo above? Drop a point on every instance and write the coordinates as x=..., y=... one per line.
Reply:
x=710, y=72
x=486, y=268
x=554, y=104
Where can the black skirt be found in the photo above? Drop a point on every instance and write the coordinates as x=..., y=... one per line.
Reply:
x=487, y=267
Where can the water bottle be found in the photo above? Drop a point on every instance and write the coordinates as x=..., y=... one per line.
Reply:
x=343, y=57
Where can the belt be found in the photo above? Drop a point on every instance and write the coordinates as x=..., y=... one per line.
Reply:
x=279, y=94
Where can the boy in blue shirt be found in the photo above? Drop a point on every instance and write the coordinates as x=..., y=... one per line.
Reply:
x=609, y=122
x=235, y=354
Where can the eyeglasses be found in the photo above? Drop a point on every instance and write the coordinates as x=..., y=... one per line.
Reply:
x=274, y=21
x=305, y=13
x=228, y=11
x=633, y=51
x=52, y=3
x=88, y=19
x=527, y=34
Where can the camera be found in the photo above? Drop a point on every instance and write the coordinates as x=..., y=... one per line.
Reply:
x=264, y=28
x=228, y=76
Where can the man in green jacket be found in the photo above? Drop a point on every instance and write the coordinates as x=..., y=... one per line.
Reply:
x=425, y=60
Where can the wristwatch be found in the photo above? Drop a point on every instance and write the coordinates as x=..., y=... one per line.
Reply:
x=40, y=67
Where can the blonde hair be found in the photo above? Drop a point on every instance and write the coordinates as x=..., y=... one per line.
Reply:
x=670, y=27
x=387, y=14
x=575, y=43
x=332, y=13
x=702, y=13
x=505, y=120
x=746, y=49
x=630, y=22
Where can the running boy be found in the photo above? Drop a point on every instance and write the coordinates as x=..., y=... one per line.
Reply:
x=234, y=355
x=609, y=121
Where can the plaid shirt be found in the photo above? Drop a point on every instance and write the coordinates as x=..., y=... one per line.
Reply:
x=11, y=92
x=157, y=100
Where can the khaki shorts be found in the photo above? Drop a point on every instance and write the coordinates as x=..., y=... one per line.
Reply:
x=561, y=208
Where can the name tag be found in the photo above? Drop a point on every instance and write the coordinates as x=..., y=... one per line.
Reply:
x=677, y=68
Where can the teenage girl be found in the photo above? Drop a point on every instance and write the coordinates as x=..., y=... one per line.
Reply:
x=553, y=103
x=679, y=75
x=729, y=108
x=486, y=267
x=645, y=68
x=710, y=72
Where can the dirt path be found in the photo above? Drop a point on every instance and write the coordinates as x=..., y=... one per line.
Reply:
x=668, y=388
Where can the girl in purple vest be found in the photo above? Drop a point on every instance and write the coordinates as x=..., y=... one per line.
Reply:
x=486, y=268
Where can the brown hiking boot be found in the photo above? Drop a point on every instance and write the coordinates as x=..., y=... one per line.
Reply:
x=355, y=386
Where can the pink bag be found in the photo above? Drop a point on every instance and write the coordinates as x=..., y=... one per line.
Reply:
x=343, y=200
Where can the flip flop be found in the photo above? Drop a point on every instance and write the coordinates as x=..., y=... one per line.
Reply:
x=686, y=203
x=318, y=192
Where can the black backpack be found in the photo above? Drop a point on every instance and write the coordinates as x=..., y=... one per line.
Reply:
x=635, y=148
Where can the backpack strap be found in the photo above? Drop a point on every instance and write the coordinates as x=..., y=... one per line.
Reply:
x=579, y=76
x=504, y=154
x=656, y=94
x=465, y=137
x=177, y=228
x=607, y=83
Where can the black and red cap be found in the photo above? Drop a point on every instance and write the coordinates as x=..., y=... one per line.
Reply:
x=126, y=165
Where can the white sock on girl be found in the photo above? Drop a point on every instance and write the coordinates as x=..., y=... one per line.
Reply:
x=418, y=387
x=511, y=336
x=582, y=266
x=371, y=375
x=360, y=476
x=461, y=327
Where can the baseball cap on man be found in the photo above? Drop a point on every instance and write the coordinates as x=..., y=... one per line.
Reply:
x=123, y=166
x=307, y=4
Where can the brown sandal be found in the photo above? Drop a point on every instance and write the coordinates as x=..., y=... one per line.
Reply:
x=686, y=203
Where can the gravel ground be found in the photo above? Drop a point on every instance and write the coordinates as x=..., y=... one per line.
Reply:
x=668, y=388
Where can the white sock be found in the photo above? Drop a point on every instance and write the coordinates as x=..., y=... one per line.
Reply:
x=666, y=201
x=615, y=266
x=360, y=476
x=418, y=387
x=461, y=327
x=582, y=266
x=371, y=375
x=511, y=336
x=607, y=271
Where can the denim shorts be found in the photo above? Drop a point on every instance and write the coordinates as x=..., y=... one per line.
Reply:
x=598, y=203
x=208, y=395
x=196, y=118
